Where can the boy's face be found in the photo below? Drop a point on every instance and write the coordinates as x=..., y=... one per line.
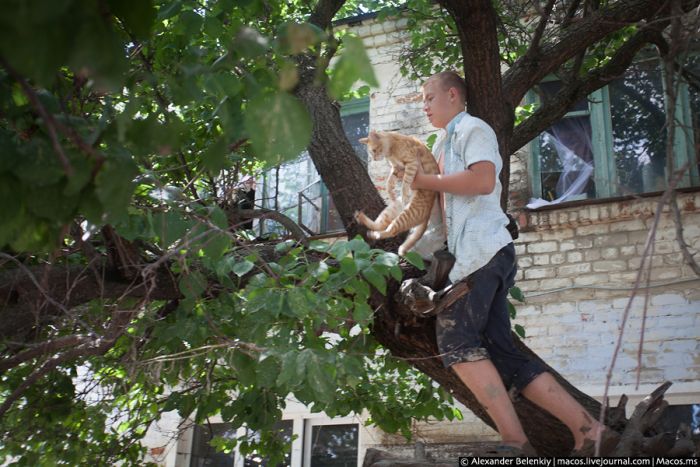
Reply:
x=440, y=105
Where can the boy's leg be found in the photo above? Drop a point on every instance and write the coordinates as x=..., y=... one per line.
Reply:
x=485, y=383
x=546, y=392
x=459, y=336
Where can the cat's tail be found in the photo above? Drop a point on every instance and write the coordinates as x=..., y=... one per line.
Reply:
x=413, y=237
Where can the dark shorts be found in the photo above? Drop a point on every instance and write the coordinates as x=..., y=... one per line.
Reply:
x=477, y=326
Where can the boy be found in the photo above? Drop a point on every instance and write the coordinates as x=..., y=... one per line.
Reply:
x=474, y=335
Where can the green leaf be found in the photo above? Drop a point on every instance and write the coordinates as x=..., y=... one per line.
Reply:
x=214, y=157
x=348, y=266
x=289, y=369
x=517, y=294
x=267, y=371
x=250, y=43
x=353, y=65
x=243, y=267
x=415, y=259
x=362, y=312
x=115, y=185
x=137, y=16
x=376, y=279
x=511, y=309
x=192, y=285
x=170, y=226
x=278, y=125
x=519, y=330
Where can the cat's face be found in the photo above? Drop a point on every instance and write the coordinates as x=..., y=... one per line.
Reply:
x=375, y=145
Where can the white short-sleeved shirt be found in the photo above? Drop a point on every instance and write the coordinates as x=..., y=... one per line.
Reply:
x=476, y=225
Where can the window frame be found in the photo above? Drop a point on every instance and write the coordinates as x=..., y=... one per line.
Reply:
x=310, y=422
x=605, y=170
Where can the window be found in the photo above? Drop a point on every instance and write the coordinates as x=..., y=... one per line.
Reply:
x=314, y=442
x=203, y=453
x=334, y=445
x=295, y=188
x=614, y=142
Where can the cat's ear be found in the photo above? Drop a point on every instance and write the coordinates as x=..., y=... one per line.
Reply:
x=363, y=140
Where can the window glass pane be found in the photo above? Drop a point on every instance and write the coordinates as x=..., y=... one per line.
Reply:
x=566, y=160
x=282, y=187
x=203, y=453
x=356, y=126
x=638, y=124
x=334, y=446
x=285, y=430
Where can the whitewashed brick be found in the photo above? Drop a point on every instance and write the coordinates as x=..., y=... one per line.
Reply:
x=574, y=269
x=558, y=258
x=574, y=257
x=610, y=253
x=542, y=247
x=559, y=308
x=668, y=299
x=590, y=279
x=608, y=266
x=614, y=239
x=559, y=283
x=628, y=250
x=538, y=273
x=591, y=255
x=528, y=285
x=594, y=229
x=524, y=262
x=540, y=260
x=661, y=274
x=623, y=277
x=584, y=242
x=627, y=226
x=567, y=246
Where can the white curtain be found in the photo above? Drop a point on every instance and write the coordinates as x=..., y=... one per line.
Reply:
x=571, y=139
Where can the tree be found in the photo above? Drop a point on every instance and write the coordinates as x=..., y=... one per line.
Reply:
x=125, y=124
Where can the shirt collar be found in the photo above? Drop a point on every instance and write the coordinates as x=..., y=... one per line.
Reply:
x=453, y=123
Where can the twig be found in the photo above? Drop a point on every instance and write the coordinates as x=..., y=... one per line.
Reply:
x=689, y=258
x=625, y=315
x=539, y=31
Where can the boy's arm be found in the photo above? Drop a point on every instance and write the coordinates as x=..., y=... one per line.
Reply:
x=478, y=179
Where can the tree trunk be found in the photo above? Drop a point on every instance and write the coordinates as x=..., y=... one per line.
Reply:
x=342, y=172
x=477, y=22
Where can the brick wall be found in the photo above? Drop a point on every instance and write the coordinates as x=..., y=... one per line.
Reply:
x=578, y=266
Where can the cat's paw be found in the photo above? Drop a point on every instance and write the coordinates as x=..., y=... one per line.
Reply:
x=402, y=251
x=374, y=235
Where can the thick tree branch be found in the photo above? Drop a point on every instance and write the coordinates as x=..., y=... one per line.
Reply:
x=530, y=69
x=278, y=217
x=324, y=12
x=556, y=107
x=68, y=287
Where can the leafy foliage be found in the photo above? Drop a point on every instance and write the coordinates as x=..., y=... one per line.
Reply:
x=140, y=116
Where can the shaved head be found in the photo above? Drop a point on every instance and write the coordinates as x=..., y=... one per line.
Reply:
x=450, y=79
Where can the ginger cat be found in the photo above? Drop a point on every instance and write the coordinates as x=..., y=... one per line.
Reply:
x=414, y=209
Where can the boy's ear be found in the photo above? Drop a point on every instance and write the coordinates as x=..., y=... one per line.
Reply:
x=363, y=140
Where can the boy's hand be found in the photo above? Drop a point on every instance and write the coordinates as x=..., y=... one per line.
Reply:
x=419, y=174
